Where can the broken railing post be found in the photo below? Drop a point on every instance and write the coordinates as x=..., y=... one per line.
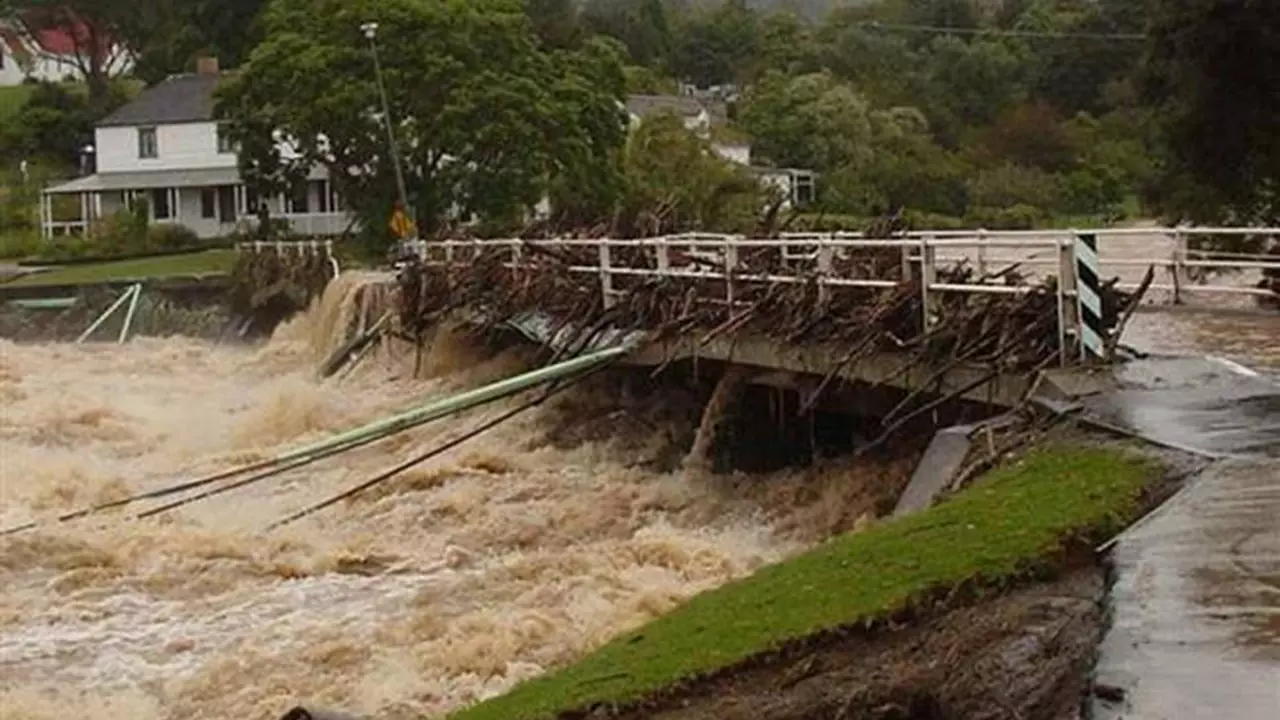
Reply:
x=825, y=261
x=928, y=276
x=606, y=273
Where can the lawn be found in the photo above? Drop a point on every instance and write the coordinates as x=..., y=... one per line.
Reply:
x=211, y=262
x=996, y=530
x=12, y=99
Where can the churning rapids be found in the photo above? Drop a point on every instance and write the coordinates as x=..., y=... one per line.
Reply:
x=448, y=584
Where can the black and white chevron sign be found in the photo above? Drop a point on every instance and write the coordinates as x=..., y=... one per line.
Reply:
x=1089, y=293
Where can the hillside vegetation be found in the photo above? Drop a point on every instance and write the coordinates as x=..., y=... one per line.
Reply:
x=959, y=113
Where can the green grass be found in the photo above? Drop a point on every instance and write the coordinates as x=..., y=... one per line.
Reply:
x=204, y=263
x=12, y=100
x=996, y=530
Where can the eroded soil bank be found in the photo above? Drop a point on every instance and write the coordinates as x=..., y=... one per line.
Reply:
x=1025, y=653
x=191, y=309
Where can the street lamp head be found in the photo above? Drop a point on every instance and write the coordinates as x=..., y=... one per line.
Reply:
x=370, y=29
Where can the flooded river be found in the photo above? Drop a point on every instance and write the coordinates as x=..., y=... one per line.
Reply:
x=448, y=584
x=479, y=569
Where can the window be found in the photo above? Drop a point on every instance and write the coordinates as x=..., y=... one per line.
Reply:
x=148, y=147
x=803, y=189
x=208, y=203
x=297, y=200
x=161, y=209
x=225, y=145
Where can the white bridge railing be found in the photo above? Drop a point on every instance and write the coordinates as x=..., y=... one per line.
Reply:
x=1123, y=253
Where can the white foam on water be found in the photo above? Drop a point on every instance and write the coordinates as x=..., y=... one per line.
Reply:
x=486, y=566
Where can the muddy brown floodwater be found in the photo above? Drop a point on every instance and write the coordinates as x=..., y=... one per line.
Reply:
x=487, y=566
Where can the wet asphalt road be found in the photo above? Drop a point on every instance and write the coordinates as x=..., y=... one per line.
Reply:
x=1196, y=604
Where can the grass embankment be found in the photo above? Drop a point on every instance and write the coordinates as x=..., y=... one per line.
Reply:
x=153, y=268
x=997, y=530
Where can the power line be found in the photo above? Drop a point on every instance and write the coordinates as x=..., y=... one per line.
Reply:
x=938, y=29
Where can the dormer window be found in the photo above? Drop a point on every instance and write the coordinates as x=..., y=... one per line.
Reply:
x=148, y=146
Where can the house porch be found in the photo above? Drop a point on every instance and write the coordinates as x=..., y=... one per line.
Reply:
x=212, y=203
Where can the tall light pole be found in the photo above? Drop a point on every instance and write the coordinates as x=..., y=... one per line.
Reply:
x=370, y=30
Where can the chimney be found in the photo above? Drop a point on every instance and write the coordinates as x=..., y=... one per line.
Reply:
x=206, y=65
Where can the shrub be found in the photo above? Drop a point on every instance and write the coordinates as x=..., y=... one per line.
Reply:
x=1015, y=217
x=1093, y=190
x=19, y=245
x=1009, y=185
x=170, y=237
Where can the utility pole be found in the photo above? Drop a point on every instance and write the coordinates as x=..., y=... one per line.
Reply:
x=370, y=30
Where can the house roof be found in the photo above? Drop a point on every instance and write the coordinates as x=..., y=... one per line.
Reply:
x=107, y=182
x=150, y=179
x=59, y=39
x=179, y=99
x=644, y=106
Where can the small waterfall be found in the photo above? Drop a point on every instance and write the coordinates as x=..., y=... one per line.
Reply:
x=349, y=306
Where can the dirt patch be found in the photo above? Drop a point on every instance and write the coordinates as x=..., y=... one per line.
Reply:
x=1025, y=653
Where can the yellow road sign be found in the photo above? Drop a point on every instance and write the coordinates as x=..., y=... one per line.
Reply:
x=401, y=225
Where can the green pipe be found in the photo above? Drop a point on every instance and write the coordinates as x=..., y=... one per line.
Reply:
x=57, y=303
x=128, y=318
x=364, y=435
x=106, y=314
x=463, y=401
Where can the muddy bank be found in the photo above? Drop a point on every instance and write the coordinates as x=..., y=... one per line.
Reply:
x=1025, y=653
x=1026, y=649
x=198, y=310
x=192, y=310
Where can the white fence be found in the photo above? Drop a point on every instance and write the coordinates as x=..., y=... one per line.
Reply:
x=1124, y=253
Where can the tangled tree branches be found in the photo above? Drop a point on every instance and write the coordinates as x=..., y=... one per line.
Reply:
x=1005, y=330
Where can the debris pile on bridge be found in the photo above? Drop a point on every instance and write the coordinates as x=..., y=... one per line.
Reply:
x=1008, y=332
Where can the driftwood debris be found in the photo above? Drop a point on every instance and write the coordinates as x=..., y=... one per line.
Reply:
x=1008, y=331
x=1002, y=332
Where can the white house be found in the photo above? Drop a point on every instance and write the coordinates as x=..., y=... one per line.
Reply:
x=166, y=147
x=51, y=54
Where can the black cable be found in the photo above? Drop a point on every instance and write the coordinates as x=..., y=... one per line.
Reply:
x=294, y=464
x=149, y=495
x=557, y=386
x=271, y=463
x=274, y=469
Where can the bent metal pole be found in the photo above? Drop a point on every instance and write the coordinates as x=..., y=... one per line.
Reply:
x=367, y=433
x=126, y=295
x=466, y=400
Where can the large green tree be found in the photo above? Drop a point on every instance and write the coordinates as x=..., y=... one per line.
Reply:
x=486, y=120
x=1212, y=74
x=810, y=121
x=674, y=182
x=172, y=33
x=641, y=25
x=717, y=47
